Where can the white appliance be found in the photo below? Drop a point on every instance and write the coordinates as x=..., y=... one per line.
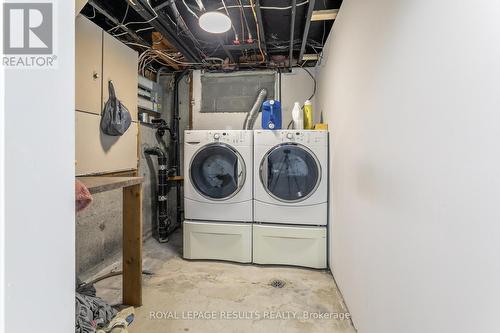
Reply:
x=217, y=240
x=290, y=197
x=218, y=175
x=218, y=195
x=291, y=177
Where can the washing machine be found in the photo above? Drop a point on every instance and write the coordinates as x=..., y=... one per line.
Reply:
x=218, y=193
x=290, y=197
x=218, y=175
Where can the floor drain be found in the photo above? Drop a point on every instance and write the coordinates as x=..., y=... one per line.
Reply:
x=277, y=283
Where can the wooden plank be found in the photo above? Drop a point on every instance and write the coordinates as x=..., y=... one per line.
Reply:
x=132, y=245
x=176, y=178
x=310, y=56
x=323, y=15
x=103, y=183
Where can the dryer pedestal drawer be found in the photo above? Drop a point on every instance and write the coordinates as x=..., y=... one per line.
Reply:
x=289, y=245
x=218, y=241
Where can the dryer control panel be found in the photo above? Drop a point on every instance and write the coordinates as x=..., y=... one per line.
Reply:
x=305, y=137
x=230, y=137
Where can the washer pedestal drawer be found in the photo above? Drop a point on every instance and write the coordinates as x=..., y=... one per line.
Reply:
x=289, y=245
x=218, y=241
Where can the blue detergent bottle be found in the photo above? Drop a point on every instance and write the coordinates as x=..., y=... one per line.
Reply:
x=271, y=115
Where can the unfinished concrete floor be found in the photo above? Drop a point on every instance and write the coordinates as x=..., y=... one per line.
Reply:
x=208, y=296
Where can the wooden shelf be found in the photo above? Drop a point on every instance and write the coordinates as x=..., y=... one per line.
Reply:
x=104, y=183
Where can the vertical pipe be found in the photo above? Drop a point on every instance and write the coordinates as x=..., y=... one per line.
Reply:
x=176, y=130
x=292, y=33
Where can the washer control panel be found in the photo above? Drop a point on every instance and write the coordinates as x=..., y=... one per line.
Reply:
x=305, y=137
x=231, y=137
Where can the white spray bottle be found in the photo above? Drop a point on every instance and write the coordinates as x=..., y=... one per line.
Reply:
x=297, y=116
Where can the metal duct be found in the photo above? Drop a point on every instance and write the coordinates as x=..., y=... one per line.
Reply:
x=254, y=111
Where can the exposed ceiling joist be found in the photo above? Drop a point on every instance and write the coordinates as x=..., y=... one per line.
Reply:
x=226, y=50
x=162, y=5
x=310, y=10
x=161, y=25
x=324, y=15
x=132, y=33
x=262, y=35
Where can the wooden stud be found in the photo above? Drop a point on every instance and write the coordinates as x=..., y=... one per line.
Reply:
x=310, y=57
x=323, y=15
x=132, y=245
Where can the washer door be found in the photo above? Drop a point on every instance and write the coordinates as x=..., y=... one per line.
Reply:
x=217, y=171
x=290, y=172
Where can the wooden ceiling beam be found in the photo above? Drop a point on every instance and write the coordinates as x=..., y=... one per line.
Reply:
x=324, y=15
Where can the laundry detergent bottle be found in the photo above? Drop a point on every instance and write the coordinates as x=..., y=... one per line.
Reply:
x=271, y=115
x=297, y=116
x=308, y=115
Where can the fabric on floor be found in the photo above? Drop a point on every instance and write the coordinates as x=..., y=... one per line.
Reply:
x=91, y=312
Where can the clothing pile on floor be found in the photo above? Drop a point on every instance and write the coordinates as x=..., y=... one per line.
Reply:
x=93, y=314
x=91, y=311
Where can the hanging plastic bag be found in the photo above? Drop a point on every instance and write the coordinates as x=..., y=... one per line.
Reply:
x=115, y=118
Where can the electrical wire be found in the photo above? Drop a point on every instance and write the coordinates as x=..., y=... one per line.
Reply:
x=164, y=54
x=232, y=26
x=314, y=81
x=148, y=21
x=123, y=20
x=189, y=9
x=126, y=32
x=93, y=16
x=258, y=32
x=267, y=7
x=245, y=19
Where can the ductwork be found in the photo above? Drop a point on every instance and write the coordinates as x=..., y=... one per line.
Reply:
x=254, y=111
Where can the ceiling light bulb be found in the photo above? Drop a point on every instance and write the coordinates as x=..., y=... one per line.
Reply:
x=215, y=22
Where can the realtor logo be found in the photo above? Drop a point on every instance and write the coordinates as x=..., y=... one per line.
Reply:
x=28, y=28
x=28, y=35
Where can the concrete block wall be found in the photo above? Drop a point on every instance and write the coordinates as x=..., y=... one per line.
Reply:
x=98, y=231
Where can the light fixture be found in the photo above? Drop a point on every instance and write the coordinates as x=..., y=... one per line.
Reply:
x=215, y=22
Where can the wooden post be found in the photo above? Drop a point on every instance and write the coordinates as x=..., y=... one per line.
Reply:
x=132, y=245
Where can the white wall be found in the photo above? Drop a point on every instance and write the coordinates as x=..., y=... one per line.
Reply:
x=38, y=253
x=295, y=87
x=412, y=90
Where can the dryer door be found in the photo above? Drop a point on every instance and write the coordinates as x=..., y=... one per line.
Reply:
x=217, y=171
x=290, y=172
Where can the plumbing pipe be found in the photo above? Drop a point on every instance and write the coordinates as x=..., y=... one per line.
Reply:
x=164, y=227
x=176, y=144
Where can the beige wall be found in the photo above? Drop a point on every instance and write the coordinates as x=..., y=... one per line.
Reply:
x=412, y=93
x=295, y=86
